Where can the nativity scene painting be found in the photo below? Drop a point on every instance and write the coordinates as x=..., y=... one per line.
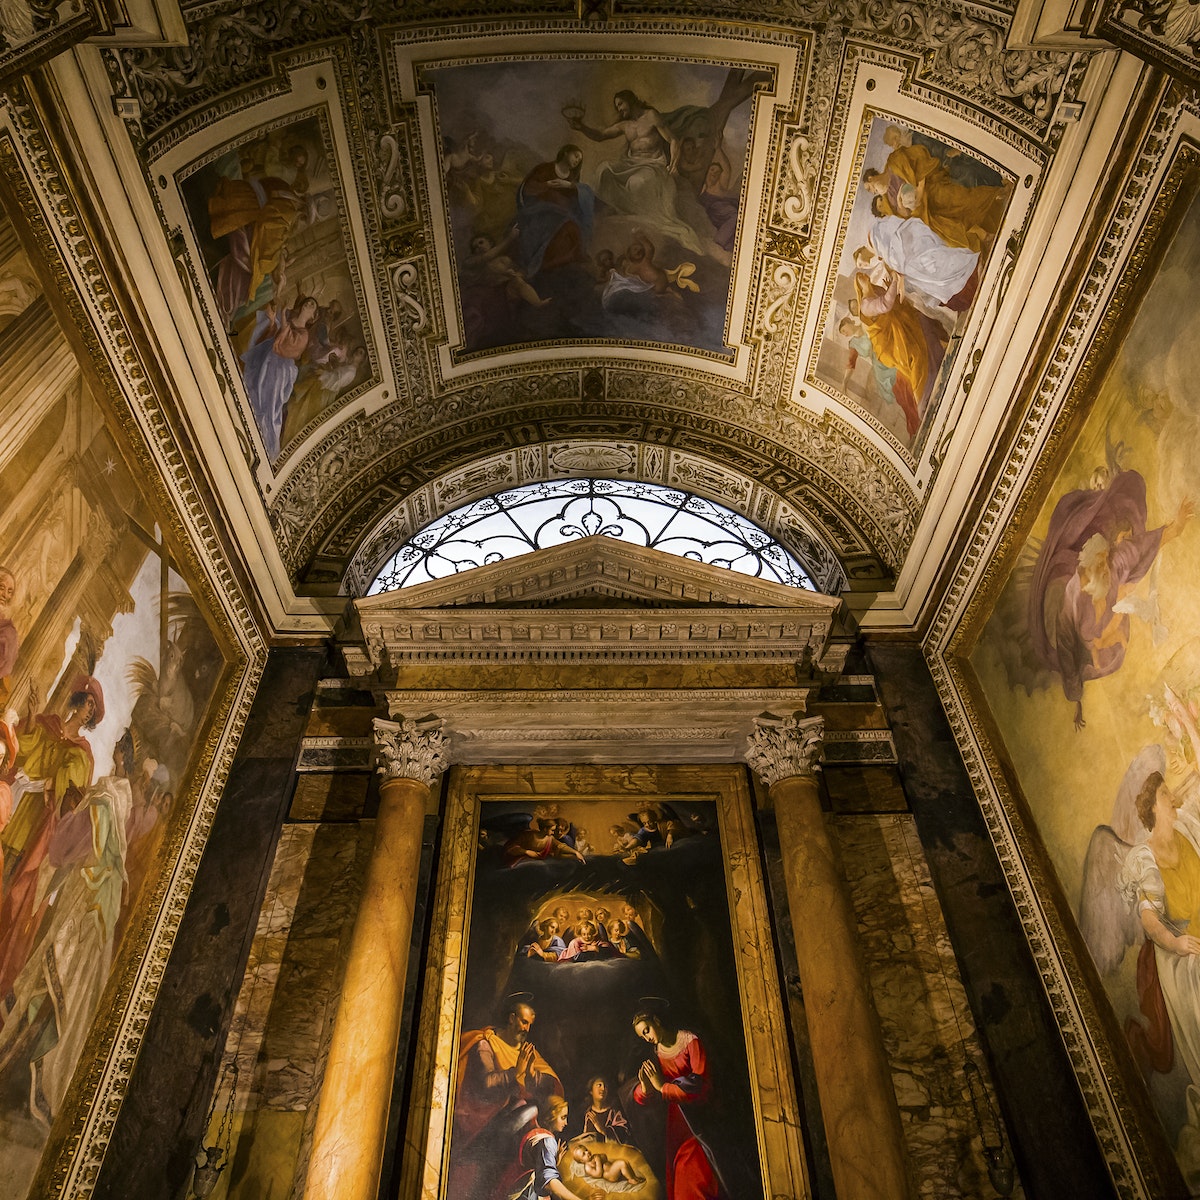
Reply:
x=593, y=199
x=602, y=1049
x=108, y=676
x=1090, y=662
x=269, y=218
x=921, y=224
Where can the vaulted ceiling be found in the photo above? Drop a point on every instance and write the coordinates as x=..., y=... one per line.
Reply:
x=676, y=303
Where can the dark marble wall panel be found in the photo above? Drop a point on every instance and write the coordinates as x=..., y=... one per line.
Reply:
x=162, y=1119
x=1056, y=1150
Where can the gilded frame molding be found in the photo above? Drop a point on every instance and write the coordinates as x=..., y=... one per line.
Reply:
x=1163, y=179
x=48, y=203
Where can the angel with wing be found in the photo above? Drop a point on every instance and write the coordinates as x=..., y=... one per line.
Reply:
x=1141, y=882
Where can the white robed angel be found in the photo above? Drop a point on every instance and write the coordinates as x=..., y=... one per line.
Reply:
x=1141, y=884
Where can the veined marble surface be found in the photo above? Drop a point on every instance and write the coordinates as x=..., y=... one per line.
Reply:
x=928, y=1030
x=283, y=1020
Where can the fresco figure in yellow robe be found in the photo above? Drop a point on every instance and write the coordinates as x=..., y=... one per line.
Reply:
x=915, y=184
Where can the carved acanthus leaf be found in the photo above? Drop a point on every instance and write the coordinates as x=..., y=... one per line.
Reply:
x=411, y=748
x=784, y=747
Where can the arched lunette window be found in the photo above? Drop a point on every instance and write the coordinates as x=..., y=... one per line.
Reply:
x=539, y=515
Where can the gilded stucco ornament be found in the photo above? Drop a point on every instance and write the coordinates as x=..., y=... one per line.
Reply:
x=784, y=747
x=320, y=508
x=231, y=46
x=411, y=748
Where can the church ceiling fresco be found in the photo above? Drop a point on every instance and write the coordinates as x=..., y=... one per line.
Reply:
x=265, y=215
x=580, y=211
x=922, y=221
x=525, y=229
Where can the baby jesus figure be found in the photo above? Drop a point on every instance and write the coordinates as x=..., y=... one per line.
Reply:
x=600, y=1166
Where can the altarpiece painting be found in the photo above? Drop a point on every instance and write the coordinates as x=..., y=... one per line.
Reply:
x=615, y=1019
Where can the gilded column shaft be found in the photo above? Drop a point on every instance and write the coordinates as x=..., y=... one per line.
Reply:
x=348, y=1142
x=858, y=1101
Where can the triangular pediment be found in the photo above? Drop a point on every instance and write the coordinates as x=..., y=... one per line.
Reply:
x=598, y=570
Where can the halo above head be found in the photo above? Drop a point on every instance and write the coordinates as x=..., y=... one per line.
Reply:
x=654, y=1002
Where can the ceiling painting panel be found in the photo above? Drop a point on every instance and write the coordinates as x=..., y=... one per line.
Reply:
x=266, y=214
x=591, y=196
x=263, y=202
x=941, y=191
x=921, y=223
x=593, y=199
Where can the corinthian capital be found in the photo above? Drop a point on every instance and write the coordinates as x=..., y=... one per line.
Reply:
x=411, y=748
x=782, y=747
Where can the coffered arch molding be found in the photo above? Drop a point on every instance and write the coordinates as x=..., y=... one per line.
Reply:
x=815, y=475
x=818, y=548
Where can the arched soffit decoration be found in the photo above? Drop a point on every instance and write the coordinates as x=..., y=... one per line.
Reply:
x=810, y=477
x=536, y=516
x=822, y=555
x=393, y=152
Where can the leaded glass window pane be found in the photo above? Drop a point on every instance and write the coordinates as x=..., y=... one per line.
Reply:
x=539, y=515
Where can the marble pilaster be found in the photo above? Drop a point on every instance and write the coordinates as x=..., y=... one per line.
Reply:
x=351, y=1128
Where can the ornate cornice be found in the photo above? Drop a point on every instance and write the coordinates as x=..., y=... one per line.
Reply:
x=234, y=45
x=785, y=747
x=410, y=748
x=611, y=635
x=572, y=724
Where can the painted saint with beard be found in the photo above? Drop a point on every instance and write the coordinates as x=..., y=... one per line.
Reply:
x=501, y=1081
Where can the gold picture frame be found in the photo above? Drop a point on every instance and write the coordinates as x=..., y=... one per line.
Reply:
x=452, y=992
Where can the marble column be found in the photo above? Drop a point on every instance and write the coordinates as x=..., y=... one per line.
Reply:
x=348, y=1142
x=858, y=1103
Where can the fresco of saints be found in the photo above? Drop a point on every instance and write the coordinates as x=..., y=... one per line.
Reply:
x=921, y=224
x=263, y=211
x=55, y=765
x=626, y=230
x=56, y=994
